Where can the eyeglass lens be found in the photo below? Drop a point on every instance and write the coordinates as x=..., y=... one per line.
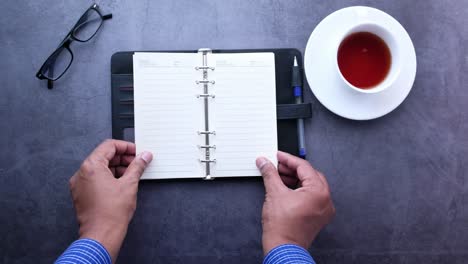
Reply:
x=57, y=63
x=88, y=25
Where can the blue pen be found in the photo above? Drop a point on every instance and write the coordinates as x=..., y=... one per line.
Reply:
x=296, y=83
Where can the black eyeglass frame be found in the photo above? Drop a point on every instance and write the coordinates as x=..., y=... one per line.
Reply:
x=65, y=44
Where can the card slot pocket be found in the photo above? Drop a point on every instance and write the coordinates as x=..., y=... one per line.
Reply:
x=126, y=101
x=126, y=88
x=127, y=115
x=123, y=82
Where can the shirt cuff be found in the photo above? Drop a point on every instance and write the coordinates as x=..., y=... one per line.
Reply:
x=85, y=251
x=288, y=254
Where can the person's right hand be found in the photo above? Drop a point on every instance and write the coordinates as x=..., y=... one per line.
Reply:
x=293, y=216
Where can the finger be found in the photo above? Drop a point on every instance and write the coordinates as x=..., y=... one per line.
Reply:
x=120, y=171
x=115, y=161
x=109, y=148
x=72, y=182
x=121, y=160
x=291, y=161
x=291, y=182
x=322, y=178
x=284, y=170
x=138, y=165
x=125, y=160
x=271, y=178
x=306, y=174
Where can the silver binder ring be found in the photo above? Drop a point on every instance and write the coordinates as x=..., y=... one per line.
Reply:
x=204, y=68
x=205, y=82
x=207, y=160
x=205, y=95
x=207, y=146
x=206, y=132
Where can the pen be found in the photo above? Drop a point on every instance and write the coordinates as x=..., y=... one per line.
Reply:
x=296, y=83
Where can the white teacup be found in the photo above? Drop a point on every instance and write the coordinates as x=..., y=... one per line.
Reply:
x=388, y=37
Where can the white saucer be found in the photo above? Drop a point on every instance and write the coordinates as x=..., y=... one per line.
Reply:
x=329, y=88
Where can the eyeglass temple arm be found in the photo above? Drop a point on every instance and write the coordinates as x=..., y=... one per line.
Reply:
x=108, y=16
x=50, y=83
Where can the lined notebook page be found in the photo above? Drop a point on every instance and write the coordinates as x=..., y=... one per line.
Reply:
x=167, y=113
x=243, y=112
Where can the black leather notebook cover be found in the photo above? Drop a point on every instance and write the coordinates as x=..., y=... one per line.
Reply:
x=287, y=110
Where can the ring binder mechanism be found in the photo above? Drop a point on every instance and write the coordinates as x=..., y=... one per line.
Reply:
x=207, y=146
x=206, y=132
x=206, y=95
x=204, y=68
x=208, y=160
x=205, y=81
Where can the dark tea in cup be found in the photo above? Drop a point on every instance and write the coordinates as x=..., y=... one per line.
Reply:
x=364, y=59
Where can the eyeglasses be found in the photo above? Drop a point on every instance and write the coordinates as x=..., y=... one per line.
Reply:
x=61, y=59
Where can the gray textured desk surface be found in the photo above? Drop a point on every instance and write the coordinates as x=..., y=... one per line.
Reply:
x=399, y=183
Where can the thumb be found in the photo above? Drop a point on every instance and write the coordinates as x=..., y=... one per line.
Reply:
x=138, y=166
x=271, y=178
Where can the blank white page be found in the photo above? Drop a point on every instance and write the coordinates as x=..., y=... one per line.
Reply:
x=243, y=112
x=167, y=113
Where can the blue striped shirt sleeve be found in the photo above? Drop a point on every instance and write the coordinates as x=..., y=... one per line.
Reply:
x=85, y=251
x=288, y=254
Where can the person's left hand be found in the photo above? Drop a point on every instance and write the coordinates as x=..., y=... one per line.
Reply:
x=105, y=204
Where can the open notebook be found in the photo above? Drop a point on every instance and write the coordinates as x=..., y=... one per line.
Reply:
x=204, y=114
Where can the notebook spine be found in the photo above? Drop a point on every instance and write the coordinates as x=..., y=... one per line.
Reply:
x=206, y=96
